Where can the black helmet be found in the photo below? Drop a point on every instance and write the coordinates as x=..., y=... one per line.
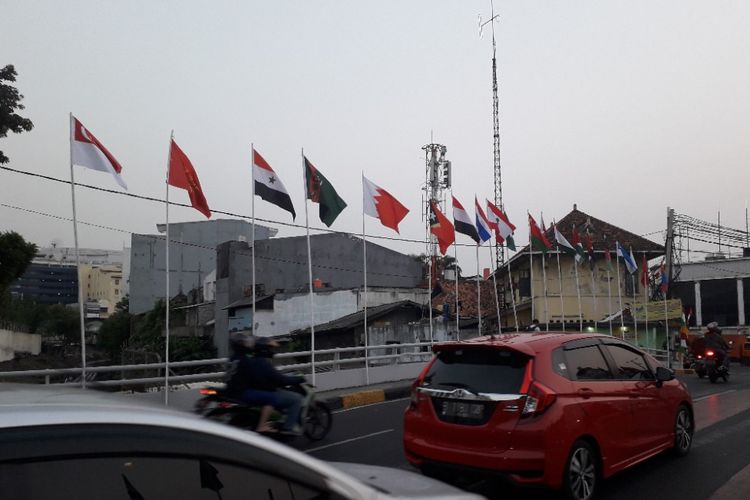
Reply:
x=242, y=343
x=264, y=347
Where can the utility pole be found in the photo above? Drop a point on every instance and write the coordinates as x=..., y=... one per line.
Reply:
x=669, y=244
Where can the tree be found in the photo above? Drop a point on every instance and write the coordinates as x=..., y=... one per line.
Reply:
x=10, y=102
x=15, y=256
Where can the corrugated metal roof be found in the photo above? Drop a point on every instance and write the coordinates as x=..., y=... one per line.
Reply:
x=714, y=269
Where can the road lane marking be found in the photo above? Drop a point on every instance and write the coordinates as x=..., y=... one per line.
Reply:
x=714, y=394
x=345, y=441
x=344, y=410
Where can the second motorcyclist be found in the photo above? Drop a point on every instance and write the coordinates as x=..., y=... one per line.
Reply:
x=713, y=340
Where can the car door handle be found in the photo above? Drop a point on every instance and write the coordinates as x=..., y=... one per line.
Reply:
x=585, y=393
x=634, y=393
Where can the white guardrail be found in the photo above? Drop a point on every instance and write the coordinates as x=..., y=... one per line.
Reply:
x=326, y=360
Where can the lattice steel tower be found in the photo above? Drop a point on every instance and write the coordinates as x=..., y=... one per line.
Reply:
x=495, y=126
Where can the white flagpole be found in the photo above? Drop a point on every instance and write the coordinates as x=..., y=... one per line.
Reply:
x=455, y=264
x=364, y=273
x=546, y=303
x=633, y=308
x=593, y=289
x=645, y=299
x=559, y=274
x=512, y=292
x=531, y=281
x=429, y=290
x=578, y=292
x=309, y=272
x=78, y=260
x=609, y=293
x=479, y=296
x=494, y=283
x=166, y=273
x=619, y=290
x=252, y=238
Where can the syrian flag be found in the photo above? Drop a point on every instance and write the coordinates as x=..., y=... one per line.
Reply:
x=463, y=222
x=563, y=243
x=86, y=151
x=320, y=191
x=182, y=175
x=441, y=227
x=379, y=203
x=268, y=186
x=537, y=239
x=503, y=227
x=484, y=228
x=628, y=258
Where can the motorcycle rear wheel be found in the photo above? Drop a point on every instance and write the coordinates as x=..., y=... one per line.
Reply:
x=318, y=421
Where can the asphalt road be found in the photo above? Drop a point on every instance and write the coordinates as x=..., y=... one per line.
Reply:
x=373, y=435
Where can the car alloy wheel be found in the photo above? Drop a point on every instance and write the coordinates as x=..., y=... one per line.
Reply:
x=683, y=431
x=582, y=472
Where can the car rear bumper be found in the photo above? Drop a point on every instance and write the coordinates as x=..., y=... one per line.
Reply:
x=524, y=461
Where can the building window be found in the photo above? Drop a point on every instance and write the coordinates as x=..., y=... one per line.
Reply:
x=117, y=282
x=117, y=292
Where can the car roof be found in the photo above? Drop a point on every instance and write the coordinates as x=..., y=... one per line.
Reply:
x=530, y=343
x=23, y=405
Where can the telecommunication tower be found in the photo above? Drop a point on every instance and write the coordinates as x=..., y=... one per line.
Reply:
x=495, y=124
x=437, y=181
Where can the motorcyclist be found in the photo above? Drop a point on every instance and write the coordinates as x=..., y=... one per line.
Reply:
x=255, y=380
x=714, y=340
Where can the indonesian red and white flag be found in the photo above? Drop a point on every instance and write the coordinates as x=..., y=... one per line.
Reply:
x=86, y=151
x=379, y=203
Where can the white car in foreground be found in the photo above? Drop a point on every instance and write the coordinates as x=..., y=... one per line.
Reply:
x=74, y=444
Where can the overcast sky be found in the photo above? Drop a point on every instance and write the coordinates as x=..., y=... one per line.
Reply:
x=623, y=107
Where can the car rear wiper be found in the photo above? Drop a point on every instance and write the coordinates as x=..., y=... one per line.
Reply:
x=461, y=385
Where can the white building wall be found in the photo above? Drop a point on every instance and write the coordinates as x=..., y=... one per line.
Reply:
x=292, y=312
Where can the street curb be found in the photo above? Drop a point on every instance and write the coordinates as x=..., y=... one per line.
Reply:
x=367, y=397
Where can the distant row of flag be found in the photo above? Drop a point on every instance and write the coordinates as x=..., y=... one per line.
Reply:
x=87, y=151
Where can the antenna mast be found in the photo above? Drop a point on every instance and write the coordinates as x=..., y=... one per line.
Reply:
x=437, y=181
x=495, y=125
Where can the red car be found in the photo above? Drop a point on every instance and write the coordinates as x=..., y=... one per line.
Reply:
x=553, y=409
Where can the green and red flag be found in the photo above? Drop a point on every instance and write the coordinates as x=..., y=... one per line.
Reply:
x=320, y=191
x=537, y=239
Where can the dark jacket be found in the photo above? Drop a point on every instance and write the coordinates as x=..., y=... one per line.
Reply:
x=251, y=372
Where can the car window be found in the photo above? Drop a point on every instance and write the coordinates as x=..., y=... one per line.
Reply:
x=138, y=477
x=587, y=363
x=630, y=364
x=487, y=370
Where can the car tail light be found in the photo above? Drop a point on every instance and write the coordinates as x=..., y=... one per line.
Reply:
x=709, y=353
x=414, y=401
x=700, y=357
x=208, y=391
x=538, y=399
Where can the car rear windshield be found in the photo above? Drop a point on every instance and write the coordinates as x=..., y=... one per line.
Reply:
x=488, y=370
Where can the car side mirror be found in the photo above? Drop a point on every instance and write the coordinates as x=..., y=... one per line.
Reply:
x=663, y=375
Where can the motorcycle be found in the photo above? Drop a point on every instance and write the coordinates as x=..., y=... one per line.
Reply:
x=315, y=418
x=715, y=368
x=698, y=364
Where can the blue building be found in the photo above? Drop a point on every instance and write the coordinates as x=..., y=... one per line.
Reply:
x=48, y=283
